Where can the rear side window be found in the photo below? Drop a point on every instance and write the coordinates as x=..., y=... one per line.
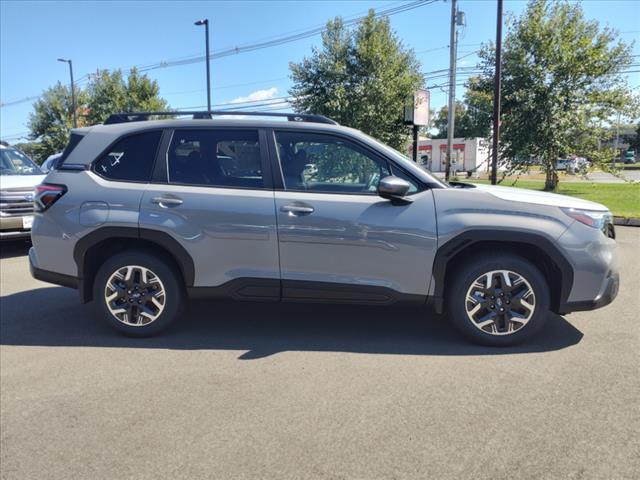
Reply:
x=130, y=159
x=215, y=158
x=74, y=140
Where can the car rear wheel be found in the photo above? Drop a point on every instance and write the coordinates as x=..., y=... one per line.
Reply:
x=499, y=300
x=138, y=293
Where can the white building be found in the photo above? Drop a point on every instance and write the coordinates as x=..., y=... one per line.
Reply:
x=468, y=154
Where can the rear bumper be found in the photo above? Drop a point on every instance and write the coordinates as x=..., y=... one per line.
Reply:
x=48, y=276
x=605, y=297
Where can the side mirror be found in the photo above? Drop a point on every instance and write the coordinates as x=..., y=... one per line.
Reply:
x=394, y=189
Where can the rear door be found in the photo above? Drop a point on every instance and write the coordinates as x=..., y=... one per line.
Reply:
x=212, y=192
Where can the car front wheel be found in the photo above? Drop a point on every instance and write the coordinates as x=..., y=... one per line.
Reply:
x=499, y=300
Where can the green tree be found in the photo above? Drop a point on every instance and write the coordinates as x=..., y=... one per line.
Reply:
x=109, y=92
x=361, y=78
x=106, y=93
x=473, y=115
x=51, y=120
x=561, y=83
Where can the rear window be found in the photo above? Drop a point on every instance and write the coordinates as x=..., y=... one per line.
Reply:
x=130, y=159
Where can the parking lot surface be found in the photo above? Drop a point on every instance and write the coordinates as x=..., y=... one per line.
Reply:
x=308, y=391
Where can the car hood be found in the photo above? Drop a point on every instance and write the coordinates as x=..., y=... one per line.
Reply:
x=20, y=181
x=512, y=194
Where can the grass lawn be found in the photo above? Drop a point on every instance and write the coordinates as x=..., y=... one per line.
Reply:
x=623, y=199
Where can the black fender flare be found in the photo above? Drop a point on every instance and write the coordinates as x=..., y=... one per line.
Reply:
x=164, y=240
x=447, y=251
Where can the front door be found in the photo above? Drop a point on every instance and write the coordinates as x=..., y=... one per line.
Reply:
x=216, y=202
x=338, y=239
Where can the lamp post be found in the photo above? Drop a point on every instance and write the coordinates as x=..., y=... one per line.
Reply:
x=205, y=22
x=73, y=91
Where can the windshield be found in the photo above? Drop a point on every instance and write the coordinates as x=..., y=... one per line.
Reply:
x=14, y=162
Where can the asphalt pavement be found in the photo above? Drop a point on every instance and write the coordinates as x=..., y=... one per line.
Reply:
x=307, y=391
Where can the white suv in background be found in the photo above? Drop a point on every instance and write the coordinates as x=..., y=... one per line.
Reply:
x=19, y=176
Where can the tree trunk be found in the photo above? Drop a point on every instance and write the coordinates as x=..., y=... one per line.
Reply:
x=551, y=182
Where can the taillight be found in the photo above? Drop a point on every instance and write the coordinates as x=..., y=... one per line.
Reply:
x=46, y=195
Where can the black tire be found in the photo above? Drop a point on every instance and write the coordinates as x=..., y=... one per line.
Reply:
x=457, y=299
x=165, y=272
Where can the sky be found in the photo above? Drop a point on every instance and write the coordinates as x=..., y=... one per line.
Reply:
x=111, y=34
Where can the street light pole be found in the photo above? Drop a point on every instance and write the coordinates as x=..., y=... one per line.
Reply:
x=73, y=91
x=205, y=22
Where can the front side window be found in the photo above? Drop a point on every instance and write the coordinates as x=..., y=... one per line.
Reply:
x=130, y=159
x=323, y=163
x=216, y=158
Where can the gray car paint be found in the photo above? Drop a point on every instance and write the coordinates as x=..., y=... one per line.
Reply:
x=230, y=233
x=358, y=239
x=55, y=234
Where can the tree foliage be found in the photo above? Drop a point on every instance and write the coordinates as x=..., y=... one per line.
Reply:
x=361, y=78
x=110, y=93
x=51, y=120
x=52, y=117
x=561, y=83
x=473, y=115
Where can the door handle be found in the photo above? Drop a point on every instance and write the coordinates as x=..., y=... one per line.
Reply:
x=297, y=209
x=167, y=201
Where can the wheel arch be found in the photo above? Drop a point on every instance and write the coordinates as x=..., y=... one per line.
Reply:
x=536, y=248
x=93, y=249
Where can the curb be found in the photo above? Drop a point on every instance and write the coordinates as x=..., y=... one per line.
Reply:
x=626, y=222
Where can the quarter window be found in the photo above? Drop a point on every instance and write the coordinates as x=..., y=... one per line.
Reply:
x=131, y=159
x=217, y=158
x=323, y=163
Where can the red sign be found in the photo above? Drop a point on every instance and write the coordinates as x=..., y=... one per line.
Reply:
x=456, y=146
x=424, y=147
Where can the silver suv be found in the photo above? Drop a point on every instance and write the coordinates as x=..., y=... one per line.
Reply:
x=140, y=214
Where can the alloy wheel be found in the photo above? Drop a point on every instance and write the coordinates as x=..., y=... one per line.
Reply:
x=500, y=302
x=135, y=295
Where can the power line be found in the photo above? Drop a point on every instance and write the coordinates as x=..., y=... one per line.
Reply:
x=255, y=46
x=282, y=40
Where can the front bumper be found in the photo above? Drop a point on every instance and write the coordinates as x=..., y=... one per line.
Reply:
x=607, y=295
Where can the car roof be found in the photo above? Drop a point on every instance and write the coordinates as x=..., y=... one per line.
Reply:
x=125, y=127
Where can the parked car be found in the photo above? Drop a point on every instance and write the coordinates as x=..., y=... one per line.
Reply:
x=563, y=163
x=630, y=156
x=139, y=215
x=19, y=176
x=49, y=163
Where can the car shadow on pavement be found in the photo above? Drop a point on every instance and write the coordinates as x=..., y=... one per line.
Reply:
x=16, y=248
x=53, y=316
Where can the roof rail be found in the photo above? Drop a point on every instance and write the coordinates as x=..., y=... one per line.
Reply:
x=125, y=117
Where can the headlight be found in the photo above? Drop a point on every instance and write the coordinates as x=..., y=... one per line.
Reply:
x=593, y=218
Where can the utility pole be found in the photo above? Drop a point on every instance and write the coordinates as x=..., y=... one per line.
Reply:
x=73, y=91
x=497, y=86
x=205, y=22
x=456, y=19
x=416, y=128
